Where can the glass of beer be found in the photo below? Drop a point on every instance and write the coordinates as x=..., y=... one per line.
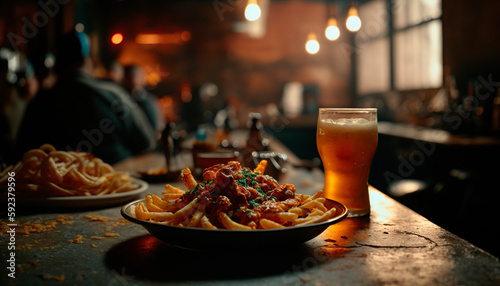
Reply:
x=346, y=140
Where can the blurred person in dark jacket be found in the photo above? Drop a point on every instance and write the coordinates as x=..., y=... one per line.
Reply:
x=134, y=83
x=84, y=113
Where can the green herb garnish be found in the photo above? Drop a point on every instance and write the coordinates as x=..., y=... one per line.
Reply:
x=242, y=182
x=253, y=203
x=248, y=173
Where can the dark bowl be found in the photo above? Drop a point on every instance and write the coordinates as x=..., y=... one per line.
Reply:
x=214, y=239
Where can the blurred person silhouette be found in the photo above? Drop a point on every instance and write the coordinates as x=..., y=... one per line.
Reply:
x=26, y=87
x=18, y=86
x=114, y=71
x=27, y=82
x=134, y=82
x=85, y=113
x=43, y=64
x=6, y=136
x=192, y=110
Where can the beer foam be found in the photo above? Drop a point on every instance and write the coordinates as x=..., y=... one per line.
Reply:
x=347, y=121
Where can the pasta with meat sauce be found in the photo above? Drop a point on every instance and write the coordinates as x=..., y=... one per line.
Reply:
x=233, y=197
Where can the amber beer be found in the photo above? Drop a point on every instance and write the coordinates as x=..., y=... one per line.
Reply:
x=347, y=139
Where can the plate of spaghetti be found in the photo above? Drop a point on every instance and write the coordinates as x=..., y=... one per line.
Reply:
x=233, y=206
x=49, y=177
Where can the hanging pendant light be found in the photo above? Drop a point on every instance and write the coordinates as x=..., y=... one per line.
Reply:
x=312, y=44
x=332, y=31
x=252, y=11
x=353, y=22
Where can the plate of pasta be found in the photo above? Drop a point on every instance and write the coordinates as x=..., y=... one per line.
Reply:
x=46, y=177
x=233, y=206
x=85, y=201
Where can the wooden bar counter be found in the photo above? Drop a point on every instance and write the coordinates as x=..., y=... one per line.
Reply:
x=391, y=246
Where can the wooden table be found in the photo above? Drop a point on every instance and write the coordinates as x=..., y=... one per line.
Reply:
x=392, y=246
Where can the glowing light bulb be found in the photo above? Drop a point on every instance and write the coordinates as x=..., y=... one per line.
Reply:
x=117, y=38
x=312, y=45
x=353, y=22
x=332, y=32
x=252, y=11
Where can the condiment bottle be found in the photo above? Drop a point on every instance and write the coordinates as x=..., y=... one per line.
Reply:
x=167, y=144
x=223, y=135
x=255, y=141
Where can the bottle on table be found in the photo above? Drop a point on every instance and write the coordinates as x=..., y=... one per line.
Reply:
x=255, y=141
x=168, y=145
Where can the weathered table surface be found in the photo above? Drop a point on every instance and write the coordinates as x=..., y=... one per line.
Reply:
x=392, y=246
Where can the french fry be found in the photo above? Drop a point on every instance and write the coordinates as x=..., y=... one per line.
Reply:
x=172, y=207
x=317, y=203
x=301, y=197
x=313, y=197
x=269, y=224
x=173, y=190
x=319, y=218
x=198, y=214
x=151, y=206
x=160, y=216
x=141, y=211
x=185, y=212
x=230, y=224
x=288, y=216
x=172, y=193
x=159, y=202
x=300, y=212
x=188, y=179
x=261, y=167
x=205, y=223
